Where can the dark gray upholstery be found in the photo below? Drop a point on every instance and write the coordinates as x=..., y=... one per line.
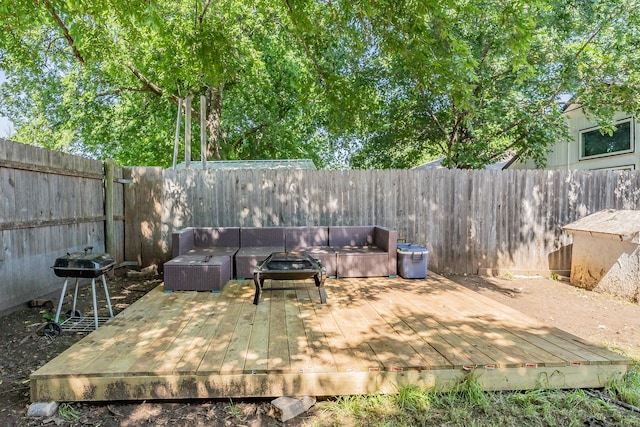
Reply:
x=344, y=251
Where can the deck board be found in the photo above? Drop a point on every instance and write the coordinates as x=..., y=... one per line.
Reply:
x=373, y=335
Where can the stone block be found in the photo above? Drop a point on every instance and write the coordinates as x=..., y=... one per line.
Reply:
x=42, y=409
x=286, y=408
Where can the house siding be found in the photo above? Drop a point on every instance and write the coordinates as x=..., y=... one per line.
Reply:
x=566, y=155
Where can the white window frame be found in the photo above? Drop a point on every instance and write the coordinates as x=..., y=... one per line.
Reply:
x=617, y=168
x=631, y=148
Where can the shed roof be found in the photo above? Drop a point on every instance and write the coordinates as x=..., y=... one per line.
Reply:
x=503, y=162
x=251, y=164
x=613, y=223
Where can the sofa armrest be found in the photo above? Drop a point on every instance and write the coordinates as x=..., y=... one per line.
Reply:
x=182, y=241
x=387, y=240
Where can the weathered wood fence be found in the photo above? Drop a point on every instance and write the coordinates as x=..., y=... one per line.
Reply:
x=471, y=221
x=50, y=203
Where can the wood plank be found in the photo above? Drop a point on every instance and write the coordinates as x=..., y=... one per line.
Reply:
x=393, y=353
x=343, y=354
x=300, y=353
x=279, y=360
x=169, y=355
x=161, y=326
x=99, y=342
x=584, y=351
x=504, y=340
x=215, y=353
x=258, y=347
x=322, y=354
x=238, y=347
x=347, y=314
x=330, y=384
x=387, y=309
x=454, y=348
x=224, y=311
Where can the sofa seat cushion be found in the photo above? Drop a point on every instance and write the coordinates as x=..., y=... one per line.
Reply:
x=362, y=250
x=325, y=254
x=247, y=259
x=361, y=261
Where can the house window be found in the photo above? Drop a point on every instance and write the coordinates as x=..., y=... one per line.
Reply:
x=593, y=143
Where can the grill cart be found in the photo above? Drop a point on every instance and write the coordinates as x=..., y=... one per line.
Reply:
x=79, y=265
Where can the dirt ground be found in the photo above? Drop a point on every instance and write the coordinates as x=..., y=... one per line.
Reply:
x=600, y=318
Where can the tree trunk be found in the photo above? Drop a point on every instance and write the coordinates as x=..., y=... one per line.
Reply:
x=214, y=113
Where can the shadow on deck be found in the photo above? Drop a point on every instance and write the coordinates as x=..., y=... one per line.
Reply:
x=372, y=336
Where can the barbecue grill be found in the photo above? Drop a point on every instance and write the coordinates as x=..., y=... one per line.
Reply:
x=81, y=265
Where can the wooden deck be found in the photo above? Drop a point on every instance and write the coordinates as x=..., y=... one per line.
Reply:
x=373, y=336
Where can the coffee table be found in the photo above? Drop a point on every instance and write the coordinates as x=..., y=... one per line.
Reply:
x=197, y=273
x=290, y=266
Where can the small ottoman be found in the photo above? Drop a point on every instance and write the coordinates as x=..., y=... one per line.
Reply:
x=197, y=273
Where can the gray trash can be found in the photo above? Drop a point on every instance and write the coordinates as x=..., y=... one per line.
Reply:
x=412, y=261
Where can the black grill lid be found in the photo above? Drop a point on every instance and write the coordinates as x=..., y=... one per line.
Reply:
x=83, y=264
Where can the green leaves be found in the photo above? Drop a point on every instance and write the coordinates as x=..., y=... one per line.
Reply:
x=104, y=77
x=336, y=81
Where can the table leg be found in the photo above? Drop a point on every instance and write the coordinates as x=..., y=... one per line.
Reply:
x=319, y=278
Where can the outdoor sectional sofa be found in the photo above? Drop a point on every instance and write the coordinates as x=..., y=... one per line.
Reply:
x=345, y=251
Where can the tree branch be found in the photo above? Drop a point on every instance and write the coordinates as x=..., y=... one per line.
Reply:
x=118, y=91
x=204, y=11
x=247, y=133
x=259, y=127
x=157, y=90
x=569, y=63
x=65, y=31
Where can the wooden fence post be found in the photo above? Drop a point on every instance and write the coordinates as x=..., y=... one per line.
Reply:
x=109, y=228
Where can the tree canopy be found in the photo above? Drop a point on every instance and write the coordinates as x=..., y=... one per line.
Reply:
x=368, y=84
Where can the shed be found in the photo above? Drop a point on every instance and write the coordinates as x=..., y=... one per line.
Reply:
x=606, y=252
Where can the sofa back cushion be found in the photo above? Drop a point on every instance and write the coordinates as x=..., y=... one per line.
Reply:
x=305, y=237
x=351, y=236
x=261, y=237
x=217, y=237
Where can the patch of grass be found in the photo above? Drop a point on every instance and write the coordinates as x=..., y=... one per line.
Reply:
x=236, y=412
x=48, y=316
x=466, y=404
x=555, y=276
x=68, y=412
x=627, y=388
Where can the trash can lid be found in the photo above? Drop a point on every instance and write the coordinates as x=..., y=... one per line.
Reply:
x=411, y=247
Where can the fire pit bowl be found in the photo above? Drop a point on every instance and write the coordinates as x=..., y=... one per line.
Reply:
x=290, y=266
